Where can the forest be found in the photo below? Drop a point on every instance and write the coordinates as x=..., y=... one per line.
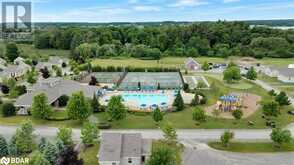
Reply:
x=213, y=39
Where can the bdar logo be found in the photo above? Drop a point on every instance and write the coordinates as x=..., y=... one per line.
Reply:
x=4, y=161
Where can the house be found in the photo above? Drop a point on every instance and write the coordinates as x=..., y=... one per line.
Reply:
x=55, y=61
x=286, y=75
x=123, y=149
x=15, y=71
x=270, y=71
x=191, y=64
x=54, y=88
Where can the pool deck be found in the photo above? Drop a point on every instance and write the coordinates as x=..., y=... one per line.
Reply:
x=135, y=106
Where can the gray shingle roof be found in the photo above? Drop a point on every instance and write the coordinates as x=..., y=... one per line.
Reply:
x=288, y=72
x=115, y=146
x=54, y=88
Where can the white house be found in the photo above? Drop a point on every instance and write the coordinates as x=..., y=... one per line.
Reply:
x=123, y=149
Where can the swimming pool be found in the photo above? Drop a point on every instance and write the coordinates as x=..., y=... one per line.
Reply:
x=147, y=99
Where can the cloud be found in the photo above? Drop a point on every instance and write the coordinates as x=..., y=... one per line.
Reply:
x=146, y=8
x=133, y=1
x=188, y=3
x=230, y=1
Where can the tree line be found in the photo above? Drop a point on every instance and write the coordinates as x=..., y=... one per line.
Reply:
x=216, y=39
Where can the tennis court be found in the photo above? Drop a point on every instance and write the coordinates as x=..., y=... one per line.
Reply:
x=151, y=81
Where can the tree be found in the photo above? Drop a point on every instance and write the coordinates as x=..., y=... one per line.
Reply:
x=24, y=140
x=115, y=109
x=4, y=89
x=237, y=114
x=78, y=108
x=205, y=66
x=50, y=153
x=64, y=134
x=162, y=154
x=169, y=133
x=3, y=147
x=232, y=74
x=157, y=115
x=11, y=51
x=31, y=76
x=271, y=109
x=69, y=156
x=38, y=158
x=179, y=102
x=40, y=107
x=251, y=74
x=95, y=104
x=199, y=115
x=279, y=136
x=8, y=109
x=89, y=134
x=282, y=99
x=272, y=93
x=93, y=81
x=45, y=73
x=226, y=137
x=62, y=101
x=42, y=144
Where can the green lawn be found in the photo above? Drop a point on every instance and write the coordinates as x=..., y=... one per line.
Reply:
x=164, y=62
x=287, y=87
x=256, y=147
x=183, y=119
x=89, y=155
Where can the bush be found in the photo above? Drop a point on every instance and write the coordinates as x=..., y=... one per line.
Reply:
x=5, y=89
x=62, y=101
x=8, y=109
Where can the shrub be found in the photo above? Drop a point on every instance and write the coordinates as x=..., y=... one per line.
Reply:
x=62, y=101
x=8, y=109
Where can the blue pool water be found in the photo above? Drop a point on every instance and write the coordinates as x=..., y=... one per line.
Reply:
x=146, y=98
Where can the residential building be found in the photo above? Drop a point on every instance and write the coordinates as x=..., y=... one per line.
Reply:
x=54, y=88
x=191, y=64
x=123, y=149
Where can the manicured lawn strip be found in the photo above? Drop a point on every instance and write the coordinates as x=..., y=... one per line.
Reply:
x=256, y=147
x=164, y=62
x=89, y=155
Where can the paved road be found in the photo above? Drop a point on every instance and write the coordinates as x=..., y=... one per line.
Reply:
x=200, y=154
x=268, y=87
x=196, y=134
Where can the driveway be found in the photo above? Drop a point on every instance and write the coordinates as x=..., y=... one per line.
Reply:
x=196, y=153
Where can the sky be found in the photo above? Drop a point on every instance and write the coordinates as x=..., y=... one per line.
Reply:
x=159, y=10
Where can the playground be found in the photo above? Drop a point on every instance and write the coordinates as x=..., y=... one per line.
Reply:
x=247, y=102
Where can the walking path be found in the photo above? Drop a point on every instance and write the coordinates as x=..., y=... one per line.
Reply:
x=267, y=87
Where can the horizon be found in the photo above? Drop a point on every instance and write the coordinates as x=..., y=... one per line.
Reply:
x=103, y=11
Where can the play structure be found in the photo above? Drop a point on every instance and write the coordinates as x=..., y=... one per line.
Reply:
x=229, y=102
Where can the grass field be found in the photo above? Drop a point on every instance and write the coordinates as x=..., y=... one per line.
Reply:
x=89, y=155
x=256, y=147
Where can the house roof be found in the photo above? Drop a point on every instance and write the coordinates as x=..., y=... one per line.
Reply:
x=110, y=148
x=115, y=146
x=54, y=88
x=288, y=72
x=11, y=69
x=190, y=60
